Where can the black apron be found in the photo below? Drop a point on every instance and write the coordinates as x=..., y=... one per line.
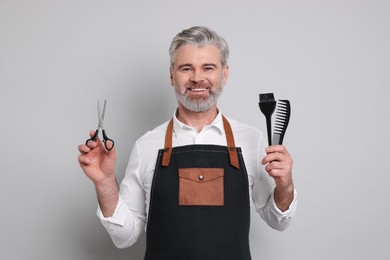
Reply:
x=199, y=203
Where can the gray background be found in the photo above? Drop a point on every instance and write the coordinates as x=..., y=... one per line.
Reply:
x=330, y=58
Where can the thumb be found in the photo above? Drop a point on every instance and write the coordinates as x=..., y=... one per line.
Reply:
x=112, y=152
x=92, y=133
x=97, y=142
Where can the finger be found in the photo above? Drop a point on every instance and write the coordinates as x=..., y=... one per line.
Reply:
x=84, y=148
x=277, y=173
x=98, y=142
x=84, y=160
x=274, y=165
x=109, y=145
x=112, y=154
x=276, y=149
x=92, y=133
x=91, y=144
x=284, y=167
x=276, y=156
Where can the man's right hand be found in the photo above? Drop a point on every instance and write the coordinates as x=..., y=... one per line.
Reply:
x=99, y=165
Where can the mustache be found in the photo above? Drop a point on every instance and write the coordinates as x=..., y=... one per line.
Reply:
x=197, y=85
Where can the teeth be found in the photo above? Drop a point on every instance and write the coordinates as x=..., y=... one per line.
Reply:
x=198, y=89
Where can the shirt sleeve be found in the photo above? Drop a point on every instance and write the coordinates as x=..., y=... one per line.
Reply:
x=274, y=217
x=263, y=197
x=128, y=221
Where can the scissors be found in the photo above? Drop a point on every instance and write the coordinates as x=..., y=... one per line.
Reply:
x=100, y=126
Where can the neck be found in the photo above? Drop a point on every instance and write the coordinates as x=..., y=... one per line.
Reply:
x=196, y=120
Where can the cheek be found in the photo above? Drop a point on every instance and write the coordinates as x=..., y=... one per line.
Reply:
x=175, y=81
x=219, y=80
x=222, y=81
x=179, y=82
x=177, y=85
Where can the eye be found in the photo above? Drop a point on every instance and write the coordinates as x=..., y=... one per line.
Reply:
x=185, y=69
x=209, y=68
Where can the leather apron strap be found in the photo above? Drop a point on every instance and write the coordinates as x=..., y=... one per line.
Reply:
x=229, y=140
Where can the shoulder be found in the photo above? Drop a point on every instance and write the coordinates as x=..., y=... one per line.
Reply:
x=243, y=130
x=146, y=149
x=154, y=137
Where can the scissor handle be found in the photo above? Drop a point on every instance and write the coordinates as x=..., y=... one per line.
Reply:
x=105, y=139
x=93, y=138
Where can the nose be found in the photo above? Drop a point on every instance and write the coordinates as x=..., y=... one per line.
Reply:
x=197, y=76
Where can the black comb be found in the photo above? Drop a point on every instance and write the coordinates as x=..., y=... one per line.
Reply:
x=282, y=118
x=267, y=106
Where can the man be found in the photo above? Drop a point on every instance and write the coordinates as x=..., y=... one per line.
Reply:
x=186, y=180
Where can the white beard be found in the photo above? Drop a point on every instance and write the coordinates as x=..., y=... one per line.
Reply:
x=199, y=104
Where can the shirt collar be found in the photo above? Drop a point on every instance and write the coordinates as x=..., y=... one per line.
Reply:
x=179, y=126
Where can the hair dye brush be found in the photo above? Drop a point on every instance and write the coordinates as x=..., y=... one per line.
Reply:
x=282, y=118
x=267, y=106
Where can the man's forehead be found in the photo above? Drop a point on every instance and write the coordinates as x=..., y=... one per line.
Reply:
x=205, y=54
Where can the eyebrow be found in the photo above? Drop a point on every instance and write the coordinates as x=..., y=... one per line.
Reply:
x=184, y=65
x=204, y=65
x=210, y=65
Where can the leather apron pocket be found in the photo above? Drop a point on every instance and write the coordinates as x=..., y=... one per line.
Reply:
x=201, y=186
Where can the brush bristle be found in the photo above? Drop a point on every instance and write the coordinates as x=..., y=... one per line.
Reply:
x=267, y=104
x=266, y=97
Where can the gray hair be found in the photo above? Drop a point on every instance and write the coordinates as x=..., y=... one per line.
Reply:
x=199, y=36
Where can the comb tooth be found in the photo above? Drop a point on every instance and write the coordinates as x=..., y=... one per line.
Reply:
x=281, y=116
x=282, y=111
x=279, y=128
x=281, y=120
x=278, y=131
x=281, y=123
x=283, y=104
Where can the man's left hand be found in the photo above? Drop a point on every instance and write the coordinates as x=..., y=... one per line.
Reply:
x=279, y=166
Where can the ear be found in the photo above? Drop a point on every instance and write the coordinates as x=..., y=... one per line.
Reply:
x=225, y=74
x=171, y=76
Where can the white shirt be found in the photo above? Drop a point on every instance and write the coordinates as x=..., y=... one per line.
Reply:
x=130, y=216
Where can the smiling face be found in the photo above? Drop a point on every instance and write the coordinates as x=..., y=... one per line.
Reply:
x=198, y=77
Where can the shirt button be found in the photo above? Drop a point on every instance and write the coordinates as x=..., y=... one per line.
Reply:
x=201, y=177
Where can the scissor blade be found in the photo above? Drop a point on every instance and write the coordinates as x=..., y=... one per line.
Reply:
x=104, y=110
x=98, y=110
